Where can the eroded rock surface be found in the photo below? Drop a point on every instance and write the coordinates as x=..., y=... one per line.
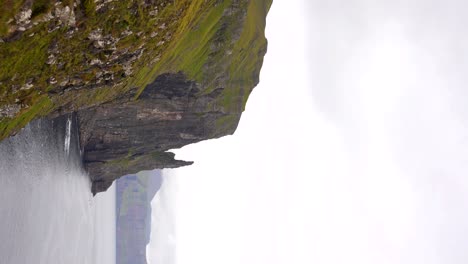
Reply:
x=128, y=136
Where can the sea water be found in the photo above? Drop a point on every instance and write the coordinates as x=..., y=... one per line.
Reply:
x=47, y=212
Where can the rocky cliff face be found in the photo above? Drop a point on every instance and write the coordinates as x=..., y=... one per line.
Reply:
x=142, y=76
x=128, y=136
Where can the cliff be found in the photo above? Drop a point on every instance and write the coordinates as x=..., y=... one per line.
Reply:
x=133, y=212
x=142, y=76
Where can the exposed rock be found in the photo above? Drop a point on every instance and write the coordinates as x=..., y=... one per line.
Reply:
x=98, y=44
x=102, y=3
x=95, y=34
x=51, y=60
x=9, y=110
x=27, y=86
x=66, y=15
x=160, y=43
x=126, y=33
x=47, y=17
x=154, y=12
x=23, y=17
x=95, y=62
x=129, y=136
x=52, y=80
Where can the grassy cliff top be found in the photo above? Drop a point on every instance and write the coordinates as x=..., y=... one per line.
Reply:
x=60, y=56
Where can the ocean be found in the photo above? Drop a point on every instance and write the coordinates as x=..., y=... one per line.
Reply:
x=47, y=211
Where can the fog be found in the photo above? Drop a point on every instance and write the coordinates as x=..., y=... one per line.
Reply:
x=353, y=148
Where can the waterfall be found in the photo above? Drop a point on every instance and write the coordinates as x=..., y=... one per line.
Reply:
x=68, y=136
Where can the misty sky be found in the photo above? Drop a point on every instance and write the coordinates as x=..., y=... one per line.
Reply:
x=352, y=149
